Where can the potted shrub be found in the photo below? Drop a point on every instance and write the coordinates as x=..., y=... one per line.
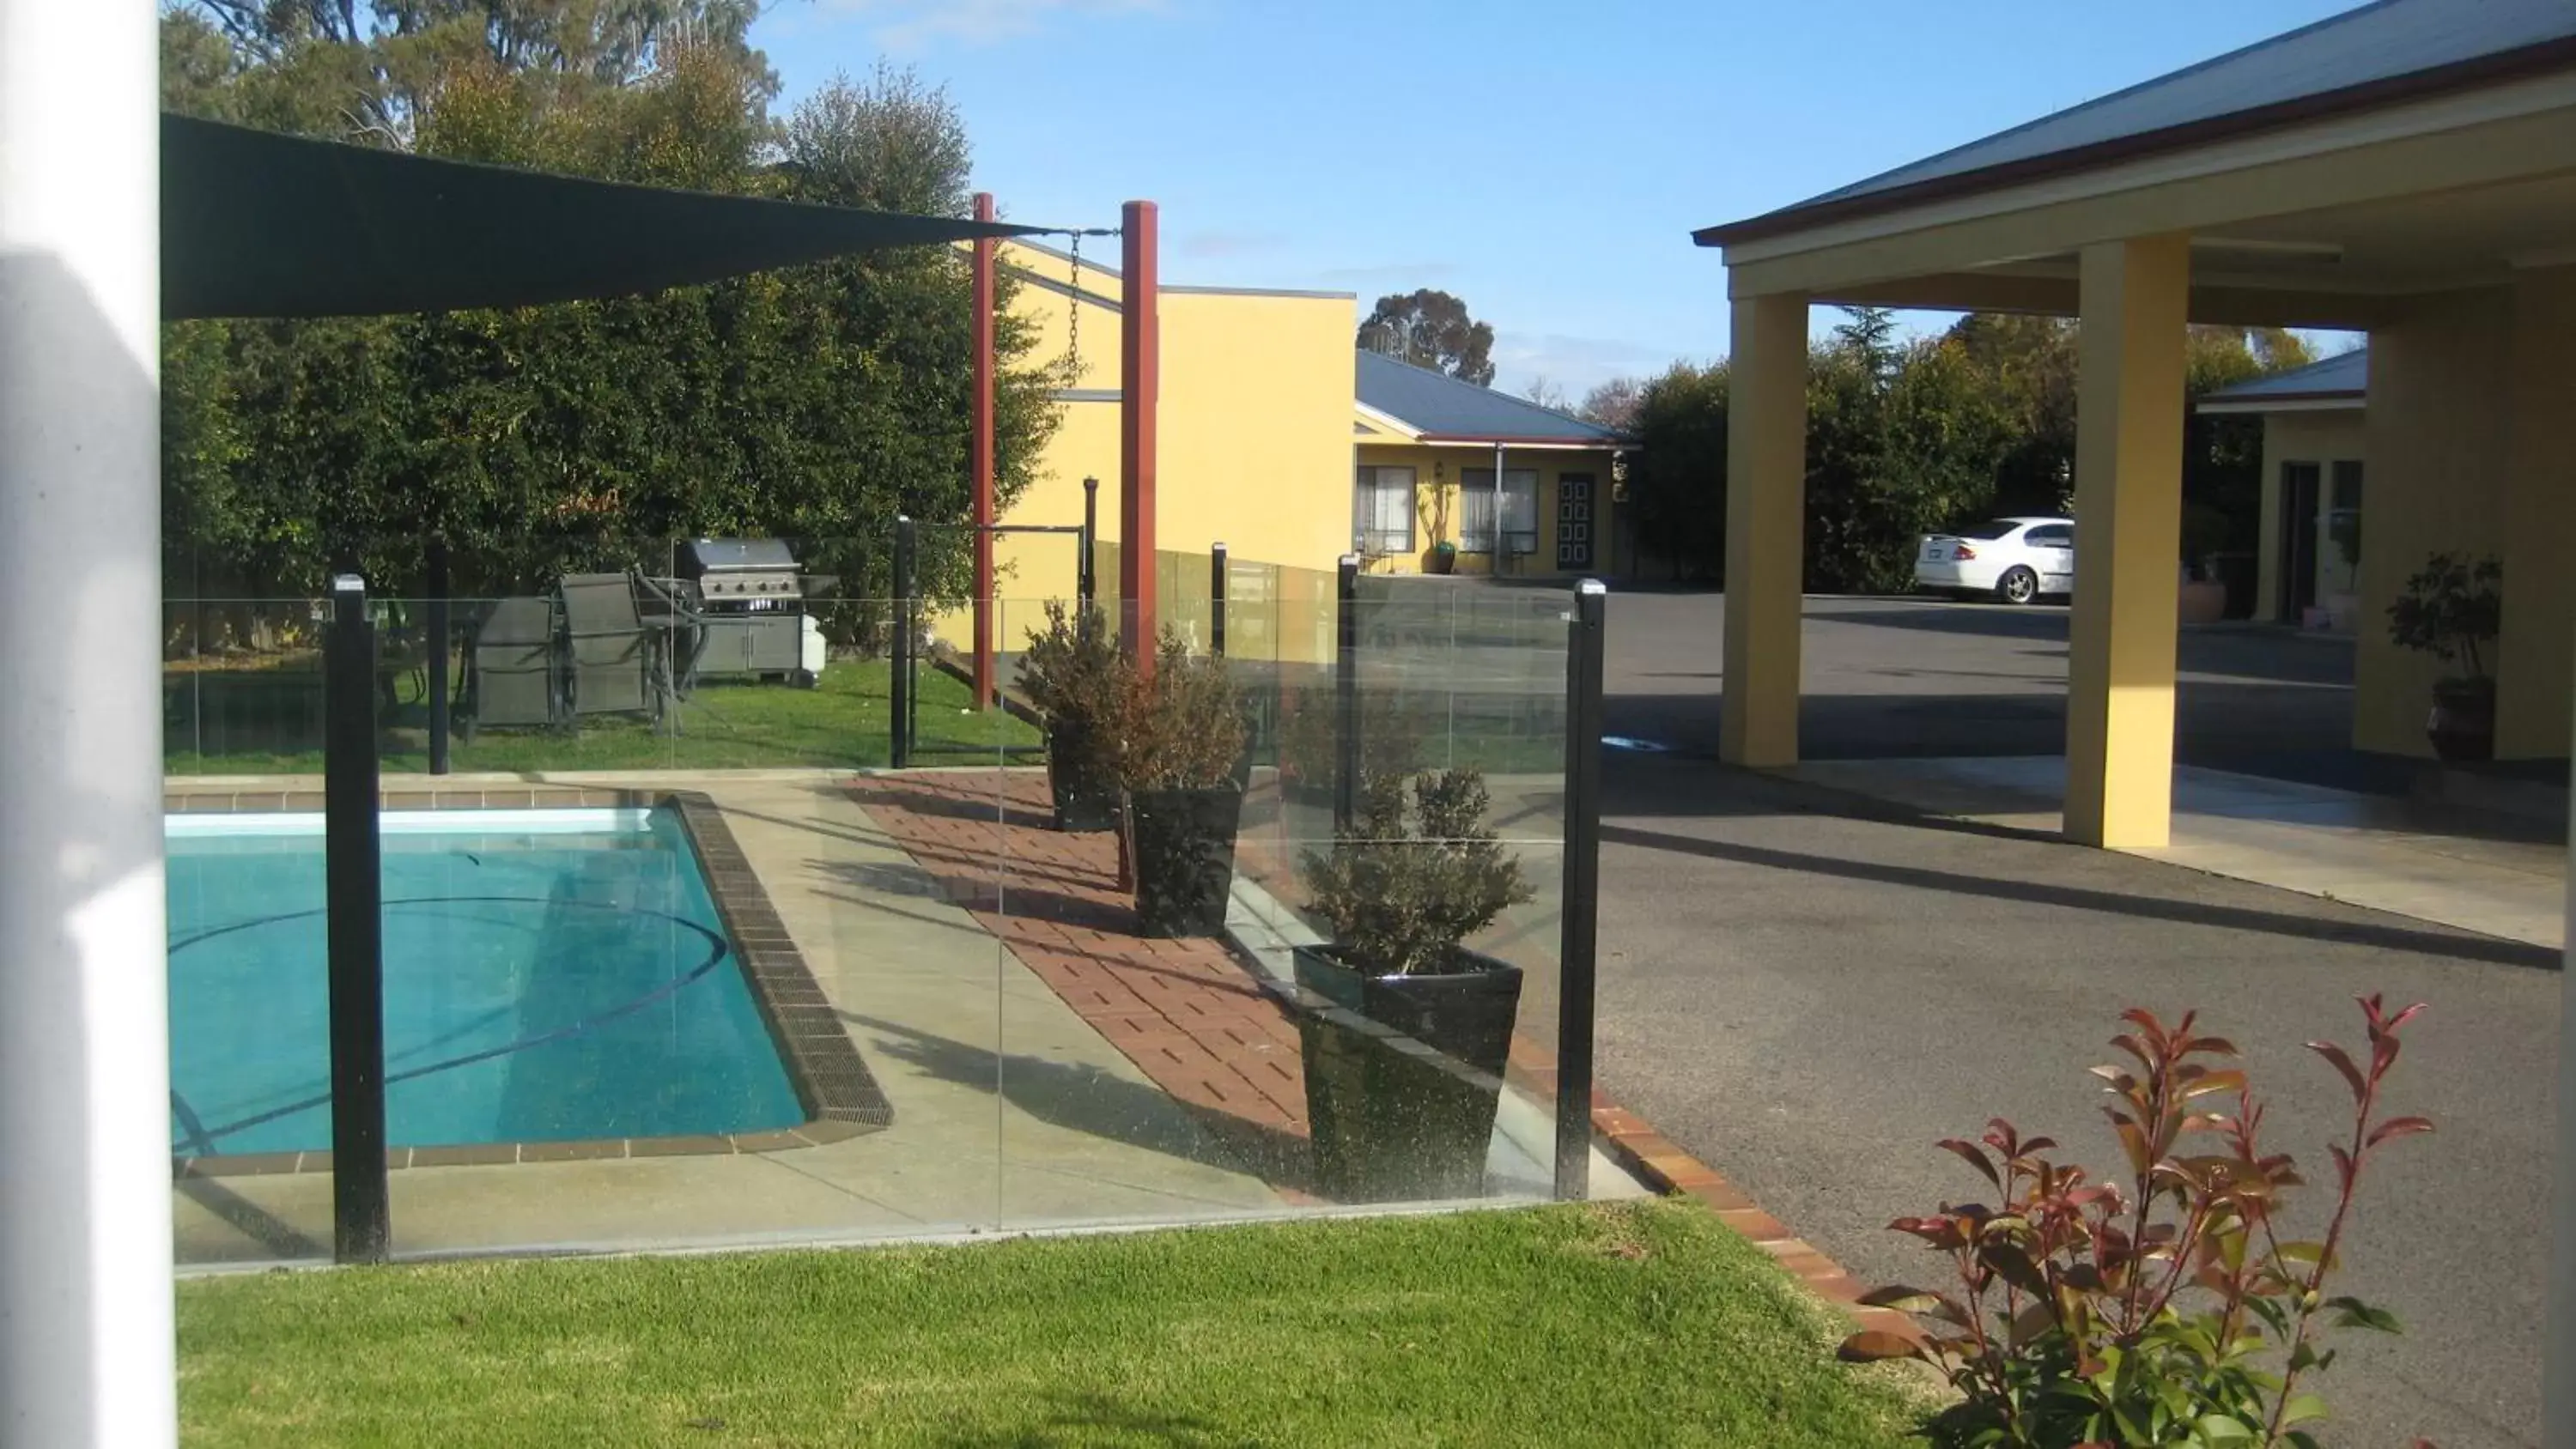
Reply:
x=1184, y=735
x=1079, y=682
x=1444, y=557
x=1401, y=889
x=2450, y=609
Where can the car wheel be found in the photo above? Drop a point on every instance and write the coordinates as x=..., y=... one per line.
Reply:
x=2018, y=585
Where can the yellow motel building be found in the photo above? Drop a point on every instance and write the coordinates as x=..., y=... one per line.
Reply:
x=2315, y=445
x=1280, y=440
x=2407, y=170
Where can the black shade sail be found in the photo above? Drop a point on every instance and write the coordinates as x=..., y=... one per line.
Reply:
x=256, y=224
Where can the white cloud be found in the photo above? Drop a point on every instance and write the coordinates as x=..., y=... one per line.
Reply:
x=1576, y=364
x=911, y=25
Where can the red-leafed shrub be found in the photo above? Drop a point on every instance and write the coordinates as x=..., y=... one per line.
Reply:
x=2164, y=1307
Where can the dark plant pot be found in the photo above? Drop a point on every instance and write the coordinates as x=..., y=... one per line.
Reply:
x=1443, y=560
x=2462, y=724
x=1185, y=858
x=1086, y=798
x=1391, y=1122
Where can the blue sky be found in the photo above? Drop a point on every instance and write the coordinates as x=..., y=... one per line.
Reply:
x=1544, y=159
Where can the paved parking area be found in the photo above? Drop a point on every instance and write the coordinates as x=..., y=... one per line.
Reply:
x=1806, y=989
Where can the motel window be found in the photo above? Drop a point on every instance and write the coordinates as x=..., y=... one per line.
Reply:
x=1382, y=511
x=1520, y=510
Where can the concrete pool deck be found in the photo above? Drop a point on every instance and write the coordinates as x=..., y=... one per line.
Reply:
x=1009, y=1111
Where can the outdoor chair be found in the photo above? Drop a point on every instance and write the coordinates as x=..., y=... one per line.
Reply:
x=614, y=656
x=516, y=677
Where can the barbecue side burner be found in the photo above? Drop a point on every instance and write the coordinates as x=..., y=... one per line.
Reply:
x=750, y=600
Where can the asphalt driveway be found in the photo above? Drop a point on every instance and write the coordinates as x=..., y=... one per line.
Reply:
x=1807, y=990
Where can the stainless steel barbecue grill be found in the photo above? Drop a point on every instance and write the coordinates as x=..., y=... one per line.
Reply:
x=750, y=607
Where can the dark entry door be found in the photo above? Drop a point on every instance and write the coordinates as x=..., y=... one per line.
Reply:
x=1574, y=521
x=2298, y=539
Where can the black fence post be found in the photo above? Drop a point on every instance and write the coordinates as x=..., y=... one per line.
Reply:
x=1086, y=585
x=1216, y=599
x=1579, y=913
x=899, y=680
x=1346, y=697
x=361, y=1211
x=437, y=627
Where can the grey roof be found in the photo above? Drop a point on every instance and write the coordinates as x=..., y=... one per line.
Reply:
x=1439, y=406
x=2371, y=49
x=2344, y=374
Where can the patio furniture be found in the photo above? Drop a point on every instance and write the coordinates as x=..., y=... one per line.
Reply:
x=516, y=679
x=612, y=655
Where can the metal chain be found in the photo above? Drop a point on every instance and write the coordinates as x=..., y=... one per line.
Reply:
x=1073, y=322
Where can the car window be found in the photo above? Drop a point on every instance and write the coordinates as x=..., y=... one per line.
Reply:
x=2058, y=534
x=1992, y=528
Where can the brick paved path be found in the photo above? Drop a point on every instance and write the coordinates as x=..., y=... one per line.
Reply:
x=1185, y=1012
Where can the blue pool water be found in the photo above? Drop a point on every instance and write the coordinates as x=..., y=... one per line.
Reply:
x=549, y=976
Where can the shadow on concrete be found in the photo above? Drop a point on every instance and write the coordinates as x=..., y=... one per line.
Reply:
x=2395, y=938
x=1086, y=1099
x=280, y=1238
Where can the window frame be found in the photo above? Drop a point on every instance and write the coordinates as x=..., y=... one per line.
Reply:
x=1478, y=483
x=1369, y=486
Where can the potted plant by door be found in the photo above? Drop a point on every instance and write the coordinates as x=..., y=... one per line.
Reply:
x=2451, y=609
x=1444, y=557
x=1184, y=735
x=1401, y=889
x=1075, y=675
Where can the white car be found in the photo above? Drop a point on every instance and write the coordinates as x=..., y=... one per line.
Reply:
x=2014, y=559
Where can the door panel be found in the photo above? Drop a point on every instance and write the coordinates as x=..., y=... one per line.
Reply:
x=1574, y=521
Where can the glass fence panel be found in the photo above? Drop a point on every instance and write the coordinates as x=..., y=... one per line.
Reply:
x=674, y=955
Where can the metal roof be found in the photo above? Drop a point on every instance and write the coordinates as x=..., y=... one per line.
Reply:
x=2381, y=52
x=1444, y=409
x=2346, y=374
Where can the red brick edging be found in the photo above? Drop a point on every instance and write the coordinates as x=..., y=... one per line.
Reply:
x=1195, y=1022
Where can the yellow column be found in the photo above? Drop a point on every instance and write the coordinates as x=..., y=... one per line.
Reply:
x=2128, y=541
x=1766, y=486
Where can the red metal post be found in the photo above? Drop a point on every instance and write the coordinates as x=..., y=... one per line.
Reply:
x=980, y=455
x=1140, y=385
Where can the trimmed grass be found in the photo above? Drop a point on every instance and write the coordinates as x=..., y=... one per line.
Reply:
x=269, y=721
x=1613, y=1325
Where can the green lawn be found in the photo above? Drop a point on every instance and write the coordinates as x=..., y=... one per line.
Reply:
x=1639, y=1324
x=269, y=721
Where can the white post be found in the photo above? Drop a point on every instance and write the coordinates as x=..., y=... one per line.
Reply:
x=86, y=1355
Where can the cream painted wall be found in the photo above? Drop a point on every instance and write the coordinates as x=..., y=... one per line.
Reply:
x=2322, y=438
x=2438, y=459
x=1255, y=444
x=2533, y=673
x=1451, y=463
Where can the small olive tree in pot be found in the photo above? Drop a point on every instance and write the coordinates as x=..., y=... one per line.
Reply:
x=1401, y=889
x=1184, y=737
x=1075, y=675
x=2452, y=609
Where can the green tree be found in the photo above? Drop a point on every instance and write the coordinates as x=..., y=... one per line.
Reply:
x=1431, y=329
x=1677, y=477
x=813, y=402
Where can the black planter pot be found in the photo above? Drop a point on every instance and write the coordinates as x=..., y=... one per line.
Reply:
x=1185, y=858
x=1390, y=1122
x=2462, y=724
x=1085, y=797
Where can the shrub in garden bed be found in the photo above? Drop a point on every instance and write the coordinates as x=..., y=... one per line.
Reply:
x=2164, y=1304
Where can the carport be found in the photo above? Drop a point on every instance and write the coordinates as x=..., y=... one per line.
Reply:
x=2407, y=169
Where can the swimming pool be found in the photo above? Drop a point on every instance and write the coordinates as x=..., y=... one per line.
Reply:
x=550, y=975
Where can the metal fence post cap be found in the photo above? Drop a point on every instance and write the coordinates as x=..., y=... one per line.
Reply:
x=1219, y=544
x=1350, y=560
x=1592, y=586
x=348, y=584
